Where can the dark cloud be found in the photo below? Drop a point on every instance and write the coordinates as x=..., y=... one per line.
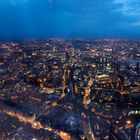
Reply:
x=66, y=18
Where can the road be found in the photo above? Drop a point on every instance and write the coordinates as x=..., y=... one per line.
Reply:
x=90, y=119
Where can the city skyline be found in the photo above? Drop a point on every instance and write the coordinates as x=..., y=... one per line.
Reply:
x=69, y=70
x=73, y=89
x=28, y=19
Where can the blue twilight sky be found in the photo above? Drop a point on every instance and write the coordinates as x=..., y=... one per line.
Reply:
x=25, y=19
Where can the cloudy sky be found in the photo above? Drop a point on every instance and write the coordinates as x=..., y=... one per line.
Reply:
x=24, y=19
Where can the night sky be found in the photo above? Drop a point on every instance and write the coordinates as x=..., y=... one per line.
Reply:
x=40, y=19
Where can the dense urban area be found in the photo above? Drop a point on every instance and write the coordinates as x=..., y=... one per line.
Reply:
x=75, y=89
